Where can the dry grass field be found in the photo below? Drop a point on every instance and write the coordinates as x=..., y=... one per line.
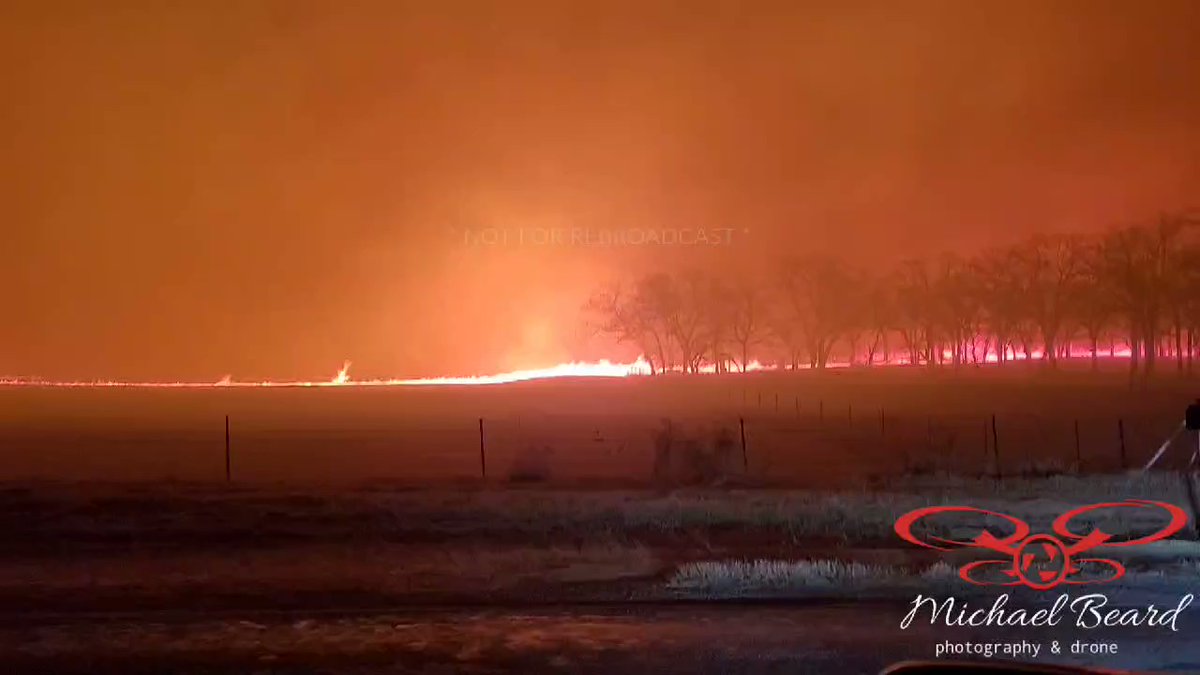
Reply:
x=803, y=429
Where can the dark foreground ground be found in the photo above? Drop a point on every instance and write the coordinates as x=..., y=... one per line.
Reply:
x=193, y=578
x=652, y=640
x=632, y=639
x=681, y=638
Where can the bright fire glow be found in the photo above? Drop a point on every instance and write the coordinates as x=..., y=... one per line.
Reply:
x=602, y=368
x=343, y=375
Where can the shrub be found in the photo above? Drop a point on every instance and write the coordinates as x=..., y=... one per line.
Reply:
x=683, y=457
x=532, y=465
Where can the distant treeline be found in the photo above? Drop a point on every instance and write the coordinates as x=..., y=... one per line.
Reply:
x=1137, y=287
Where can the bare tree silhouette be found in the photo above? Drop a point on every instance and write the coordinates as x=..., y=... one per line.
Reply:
x=1138, y=284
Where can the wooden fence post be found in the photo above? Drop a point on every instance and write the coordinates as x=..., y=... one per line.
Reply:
x=996, y=447
x=745, y=457
x=985, y=447
x=1079, y=455
x=482, y=455
x=1121, y=436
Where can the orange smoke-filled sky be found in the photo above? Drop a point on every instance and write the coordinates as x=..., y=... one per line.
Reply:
x=267, y=188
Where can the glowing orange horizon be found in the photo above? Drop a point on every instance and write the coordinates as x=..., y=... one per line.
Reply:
x=601, y=368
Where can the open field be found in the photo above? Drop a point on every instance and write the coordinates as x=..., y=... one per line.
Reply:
x=806, y=429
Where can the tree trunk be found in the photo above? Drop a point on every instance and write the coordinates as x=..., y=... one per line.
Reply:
x=1191, y=348
x=1149, y=349
x=1178, y=341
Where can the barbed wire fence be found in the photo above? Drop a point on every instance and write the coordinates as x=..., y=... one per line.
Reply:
x=771, y=437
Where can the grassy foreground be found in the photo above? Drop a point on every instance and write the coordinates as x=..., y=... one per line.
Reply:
x=111, y=547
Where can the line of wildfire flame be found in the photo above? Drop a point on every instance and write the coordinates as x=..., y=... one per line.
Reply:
x=602, y=368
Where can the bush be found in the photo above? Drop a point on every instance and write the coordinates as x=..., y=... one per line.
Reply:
x=695, y=458
x=531, y=465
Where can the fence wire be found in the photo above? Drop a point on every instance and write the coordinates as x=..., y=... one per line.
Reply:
x=767, y=436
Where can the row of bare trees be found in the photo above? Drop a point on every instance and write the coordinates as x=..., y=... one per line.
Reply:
x=1135, y=289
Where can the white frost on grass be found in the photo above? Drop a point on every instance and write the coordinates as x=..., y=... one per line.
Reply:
x=767, y=578
x=832, y=579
